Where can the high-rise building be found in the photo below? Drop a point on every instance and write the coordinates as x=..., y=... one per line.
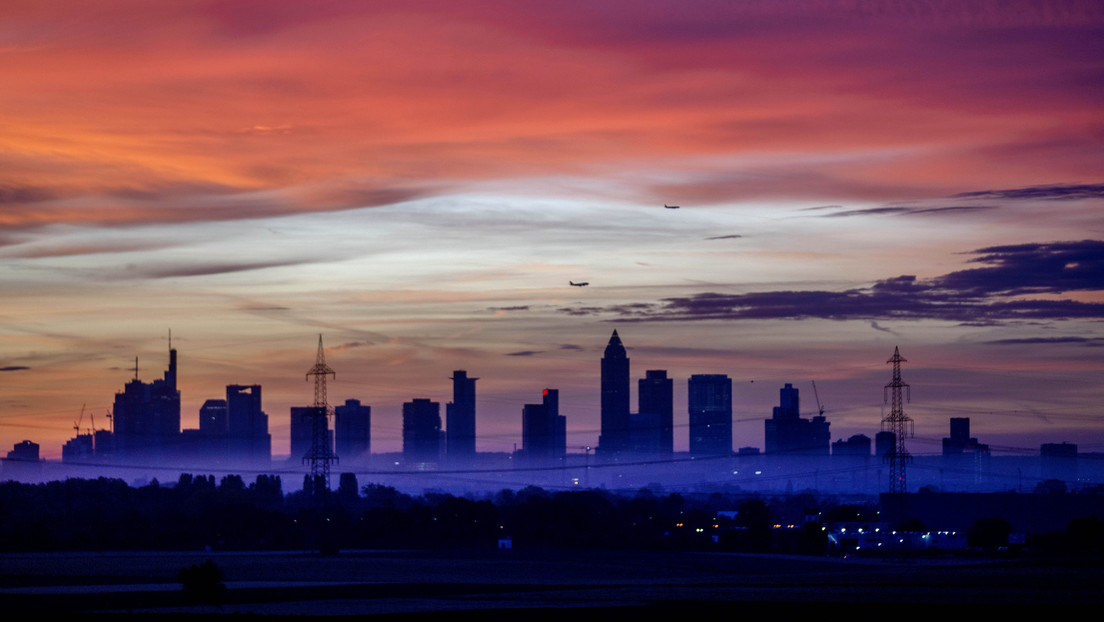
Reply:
x=544, y=429
x=353, y=428
x=885, y=444
x=302, y=431
x=787, y=433
x=460, y=417
x=213, y=420
x=247, y=425
x=960, y=441
x=653, y=426
x=615, y=434
x=710, y=404
x=422, y=431
x=147, y=416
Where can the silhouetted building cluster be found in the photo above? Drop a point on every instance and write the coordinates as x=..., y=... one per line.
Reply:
x=233, y=431
x=856, y=445
x=650, y=430
x=960, y=441
x=786, y=432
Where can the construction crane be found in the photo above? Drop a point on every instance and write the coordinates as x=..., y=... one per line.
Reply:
x=820, y=409
x=79, y=421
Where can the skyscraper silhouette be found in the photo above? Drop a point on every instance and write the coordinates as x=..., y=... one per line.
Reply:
x=250, y=441
x=353, y=430
x=460, y=417
x=212, y=418
x=147, y=415
x=787, y=433
x=543, y=429
x=653, y=427
x=302, y=430
x=709, y=398
x=421, y=431
x=615, y=434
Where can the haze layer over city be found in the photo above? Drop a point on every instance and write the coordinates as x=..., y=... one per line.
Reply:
x=422, y=183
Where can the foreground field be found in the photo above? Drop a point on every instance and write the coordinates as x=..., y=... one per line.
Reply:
x=497, y=582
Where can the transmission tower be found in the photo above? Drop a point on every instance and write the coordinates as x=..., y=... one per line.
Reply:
x=320, y=455
x=898, y=423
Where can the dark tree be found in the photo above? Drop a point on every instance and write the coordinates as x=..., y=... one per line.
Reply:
x=202, y=584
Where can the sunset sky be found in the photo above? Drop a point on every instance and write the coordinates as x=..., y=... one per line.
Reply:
x=418, y=181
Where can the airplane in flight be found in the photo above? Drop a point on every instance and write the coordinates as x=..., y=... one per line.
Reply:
x=670, y=206
x=583, y=284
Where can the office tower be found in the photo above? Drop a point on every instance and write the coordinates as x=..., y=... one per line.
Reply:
x=615, y=434
x=302, y=431
x=421, y=431
x=460, y=417
x=653, y=427
x=247, y=425
x=147, y=416
x=787, y=433
x=544, y=429
x=353, y=428
x=213, y=419
x=710, y=405
x=960, y=441
x=885, y=443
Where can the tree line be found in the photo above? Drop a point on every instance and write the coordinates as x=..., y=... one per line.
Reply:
x=200, y=512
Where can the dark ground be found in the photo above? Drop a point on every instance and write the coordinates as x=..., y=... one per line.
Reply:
x=500, y=583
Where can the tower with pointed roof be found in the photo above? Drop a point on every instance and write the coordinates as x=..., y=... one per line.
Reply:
x=614, y=437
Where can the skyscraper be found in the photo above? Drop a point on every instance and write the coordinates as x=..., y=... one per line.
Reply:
x=710, y=405
x=212, y=418
x=249, y=439
x=544, y=429
x=615, y=434
x=353, y=429
x=421, y=431
x=653, y=428
x=302, y=430
x=460, y=417
x=147, y=416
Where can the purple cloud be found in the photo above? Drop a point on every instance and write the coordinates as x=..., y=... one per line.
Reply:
x=976, y=296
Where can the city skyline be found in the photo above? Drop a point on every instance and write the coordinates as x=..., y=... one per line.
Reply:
x=155, y=437
x=422, y=182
